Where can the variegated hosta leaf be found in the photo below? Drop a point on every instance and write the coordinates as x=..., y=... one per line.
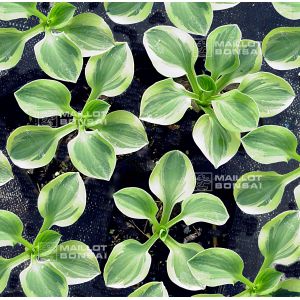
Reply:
x=223, y=5
x=259, y=192
x=16, y=10
x=217, y=266
x=271, y=93
x=173, y=178
x=6, y=173
x=60, y=14
x=41, y=279
x=151, y=289
x=136, y=203
x=177, y=264
x=11, y=228
x=76, y=261
x=11, y=46
x=250, y=57
x=203, y=207
x=127, y=265
x=110, y=73
x=58, y=57
x=62, y=201
x=217, y=143
x=90, y=33
x=266, y=281
x=94, y=112
x=270, y=144
x=236, y=111
x=44, y=98
x=35, y=146
x=222, y=50
x=192, y=17
x=92, y=155
x=46, y=242
x=172, y=51
x=279, y=239
x=297, y=195
x=128, y=12
x=281, y=48
x=164, y=103
x=288, y=288
x=206, y=84
x=124, y=131
x=289, y=10
x=5, y=270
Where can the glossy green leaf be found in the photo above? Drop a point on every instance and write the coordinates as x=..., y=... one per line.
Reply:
x=271, y=93
x=151, y=289
x=94, y=112
x=270, y=144
x=206, y=84
x=5, y=270
x=60, y=14
x=223, y=5
x=6, y=173
x=62, y=201
x=11, y=228
x=177, y=264
x=76, y=261
x=192, y=17
x=35, y=146
x=250, y=57
x=173, y=178
x=259, y=192
x=44, y=98
x=288, y=288
x=110, y=73
x=58, y=57
x=90, y=33
x=136, y=203
x=164, y=103
x=297, y=195
x=266, y=281
x=222, y=50
x=281, y=47
x=127, y=265
x=124, y=131
x=11, y=47
x=289, y=10
x=217, y=266
x=279, y=239
x=172, y=51
x=203, y=207
x=16, y=10
x=41, y=279
x=92, y=155
x=128, y=12
x=46, y=242
x=236, y=111
x=216, y=143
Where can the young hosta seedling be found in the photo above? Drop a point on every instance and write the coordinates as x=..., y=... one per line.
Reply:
x=192, y=17
x=101, y=135
x=53, y=265
x=172, y=181
x=67, y=38
x=279, y=243
x=6, y=173
x=229, y=59
x=261, y=192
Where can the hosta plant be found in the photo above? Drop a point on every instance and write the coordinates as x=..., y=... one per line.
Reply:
x=227, y=114
x=172, y=181
x=67, y=38
x=6, y=173
x=192, y=17
x=279, y=243
x=261, y=192
x=53, y=264
x=101, y=135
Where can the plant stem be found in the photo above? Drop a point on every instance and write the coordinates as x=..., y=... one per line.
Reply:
x=46, y=225
x=30, y=33
x=265, y=265
x=19, y=259
x=246, y=281
x=66, y=129
x=291, y=176
x=40, y=15
x=148, y=244
x=296, y=156
x=191, y=76
x=94, y=95
x=25, y=243
x=167, y=210
x=174, y=221
x=221, y=84
x=242, y=293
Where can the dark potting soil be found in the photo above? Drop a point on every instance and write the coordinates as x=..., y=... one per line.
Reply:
x=102, y=226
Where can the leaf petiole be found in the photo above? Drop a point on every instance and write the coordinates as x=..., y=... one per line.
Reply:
x=149, y=243
x=191, y=76
x=19, y=259
x=246, y=281
x=40, y=15
x=174, y=221
x=291, y=176
x=30, y=33
x=25, y=243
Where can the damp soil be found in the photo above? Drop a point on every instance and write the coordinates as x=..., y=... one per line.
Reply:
x=102, y=226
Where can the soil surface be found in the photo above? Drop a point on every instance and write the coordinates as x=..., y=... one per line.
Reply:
x=102, y=225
